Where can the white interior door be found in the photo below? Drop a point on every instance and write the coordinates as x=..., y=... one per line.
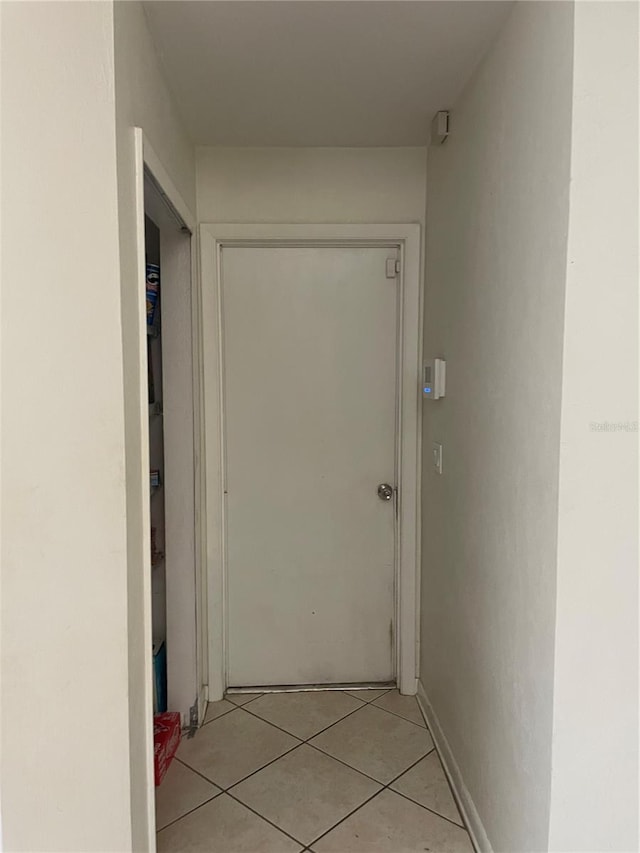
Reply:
x=310, y=347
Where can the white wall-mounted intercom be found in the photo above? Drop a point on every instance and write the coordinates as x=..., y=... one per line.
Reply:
x=433, y=379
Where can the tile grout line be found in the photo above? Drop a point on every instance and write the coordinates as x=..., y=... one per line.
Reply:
x=306, y=741
x=454, y=795
x=269, y=723
x=191, y=811
x=365, y=702
x=399, y=716
x=410, y=767
x=344, y=763
x=233, y=707
x=255, y=716
x=227, y=790
x=315, y=734
x=235, y=799
x=335, y=723
x=248, y=702
x=313, y=745
x=223, y=790
x=388, y=787
x=320, y=731
x=220, y=716
x=321, y=751
x=346, y=817
x=198, y=773
x=244, y=778
x=400, y=775
x=433, y=811
x=366, y=775
x=262, y=817
x=384, y=787
x=264, y=767
x=368, y=701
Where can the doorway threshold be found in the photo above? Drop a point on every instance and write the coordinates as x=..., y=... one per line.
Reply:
x=308, y=688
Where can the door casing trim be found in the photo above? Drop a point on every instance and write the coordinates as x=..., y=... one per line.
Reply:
x=138, y=517
x=406, y=237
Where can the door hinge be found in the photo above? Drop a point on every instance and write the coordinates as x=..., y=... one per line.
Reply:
x=393, y=267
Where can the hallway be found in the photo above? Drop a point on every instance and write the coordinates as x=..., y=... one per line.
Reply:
x=190, y=507
x=341, y=771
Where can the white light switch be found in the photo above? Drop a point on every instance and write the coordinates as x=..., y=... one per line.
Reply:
x=436, y=449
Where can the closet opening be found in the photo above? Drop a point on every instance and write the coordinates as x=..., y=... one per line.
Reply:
x=173, y=397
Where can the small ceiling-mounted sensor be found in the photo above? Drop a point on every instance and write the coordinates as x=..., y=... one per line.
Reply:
x=439, y=127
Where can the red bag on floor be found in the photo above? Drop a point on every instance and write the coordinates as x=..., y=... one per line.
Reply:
x=166, y=738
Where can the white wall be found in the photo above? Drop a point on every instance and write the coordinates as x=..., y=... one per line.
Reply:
x=75, y=725
x=143, y=97
x=495, y=272
x=595, y=759
x=143, y=100
x=65, y=726
x=311, y=184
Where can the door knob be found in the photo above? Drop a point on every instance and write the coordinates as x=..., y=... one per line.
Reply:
x=385, y=492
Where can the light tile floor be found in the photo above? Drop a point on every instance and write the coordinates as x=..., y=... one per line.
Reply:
x=327, y=772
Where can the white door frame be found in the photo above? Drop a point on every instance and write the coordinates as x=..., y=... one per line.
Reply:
x=406, y=237
x=146, y=158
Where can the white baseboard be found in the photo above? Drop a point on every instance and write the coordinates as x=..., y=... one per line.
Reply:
x=466, y=805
